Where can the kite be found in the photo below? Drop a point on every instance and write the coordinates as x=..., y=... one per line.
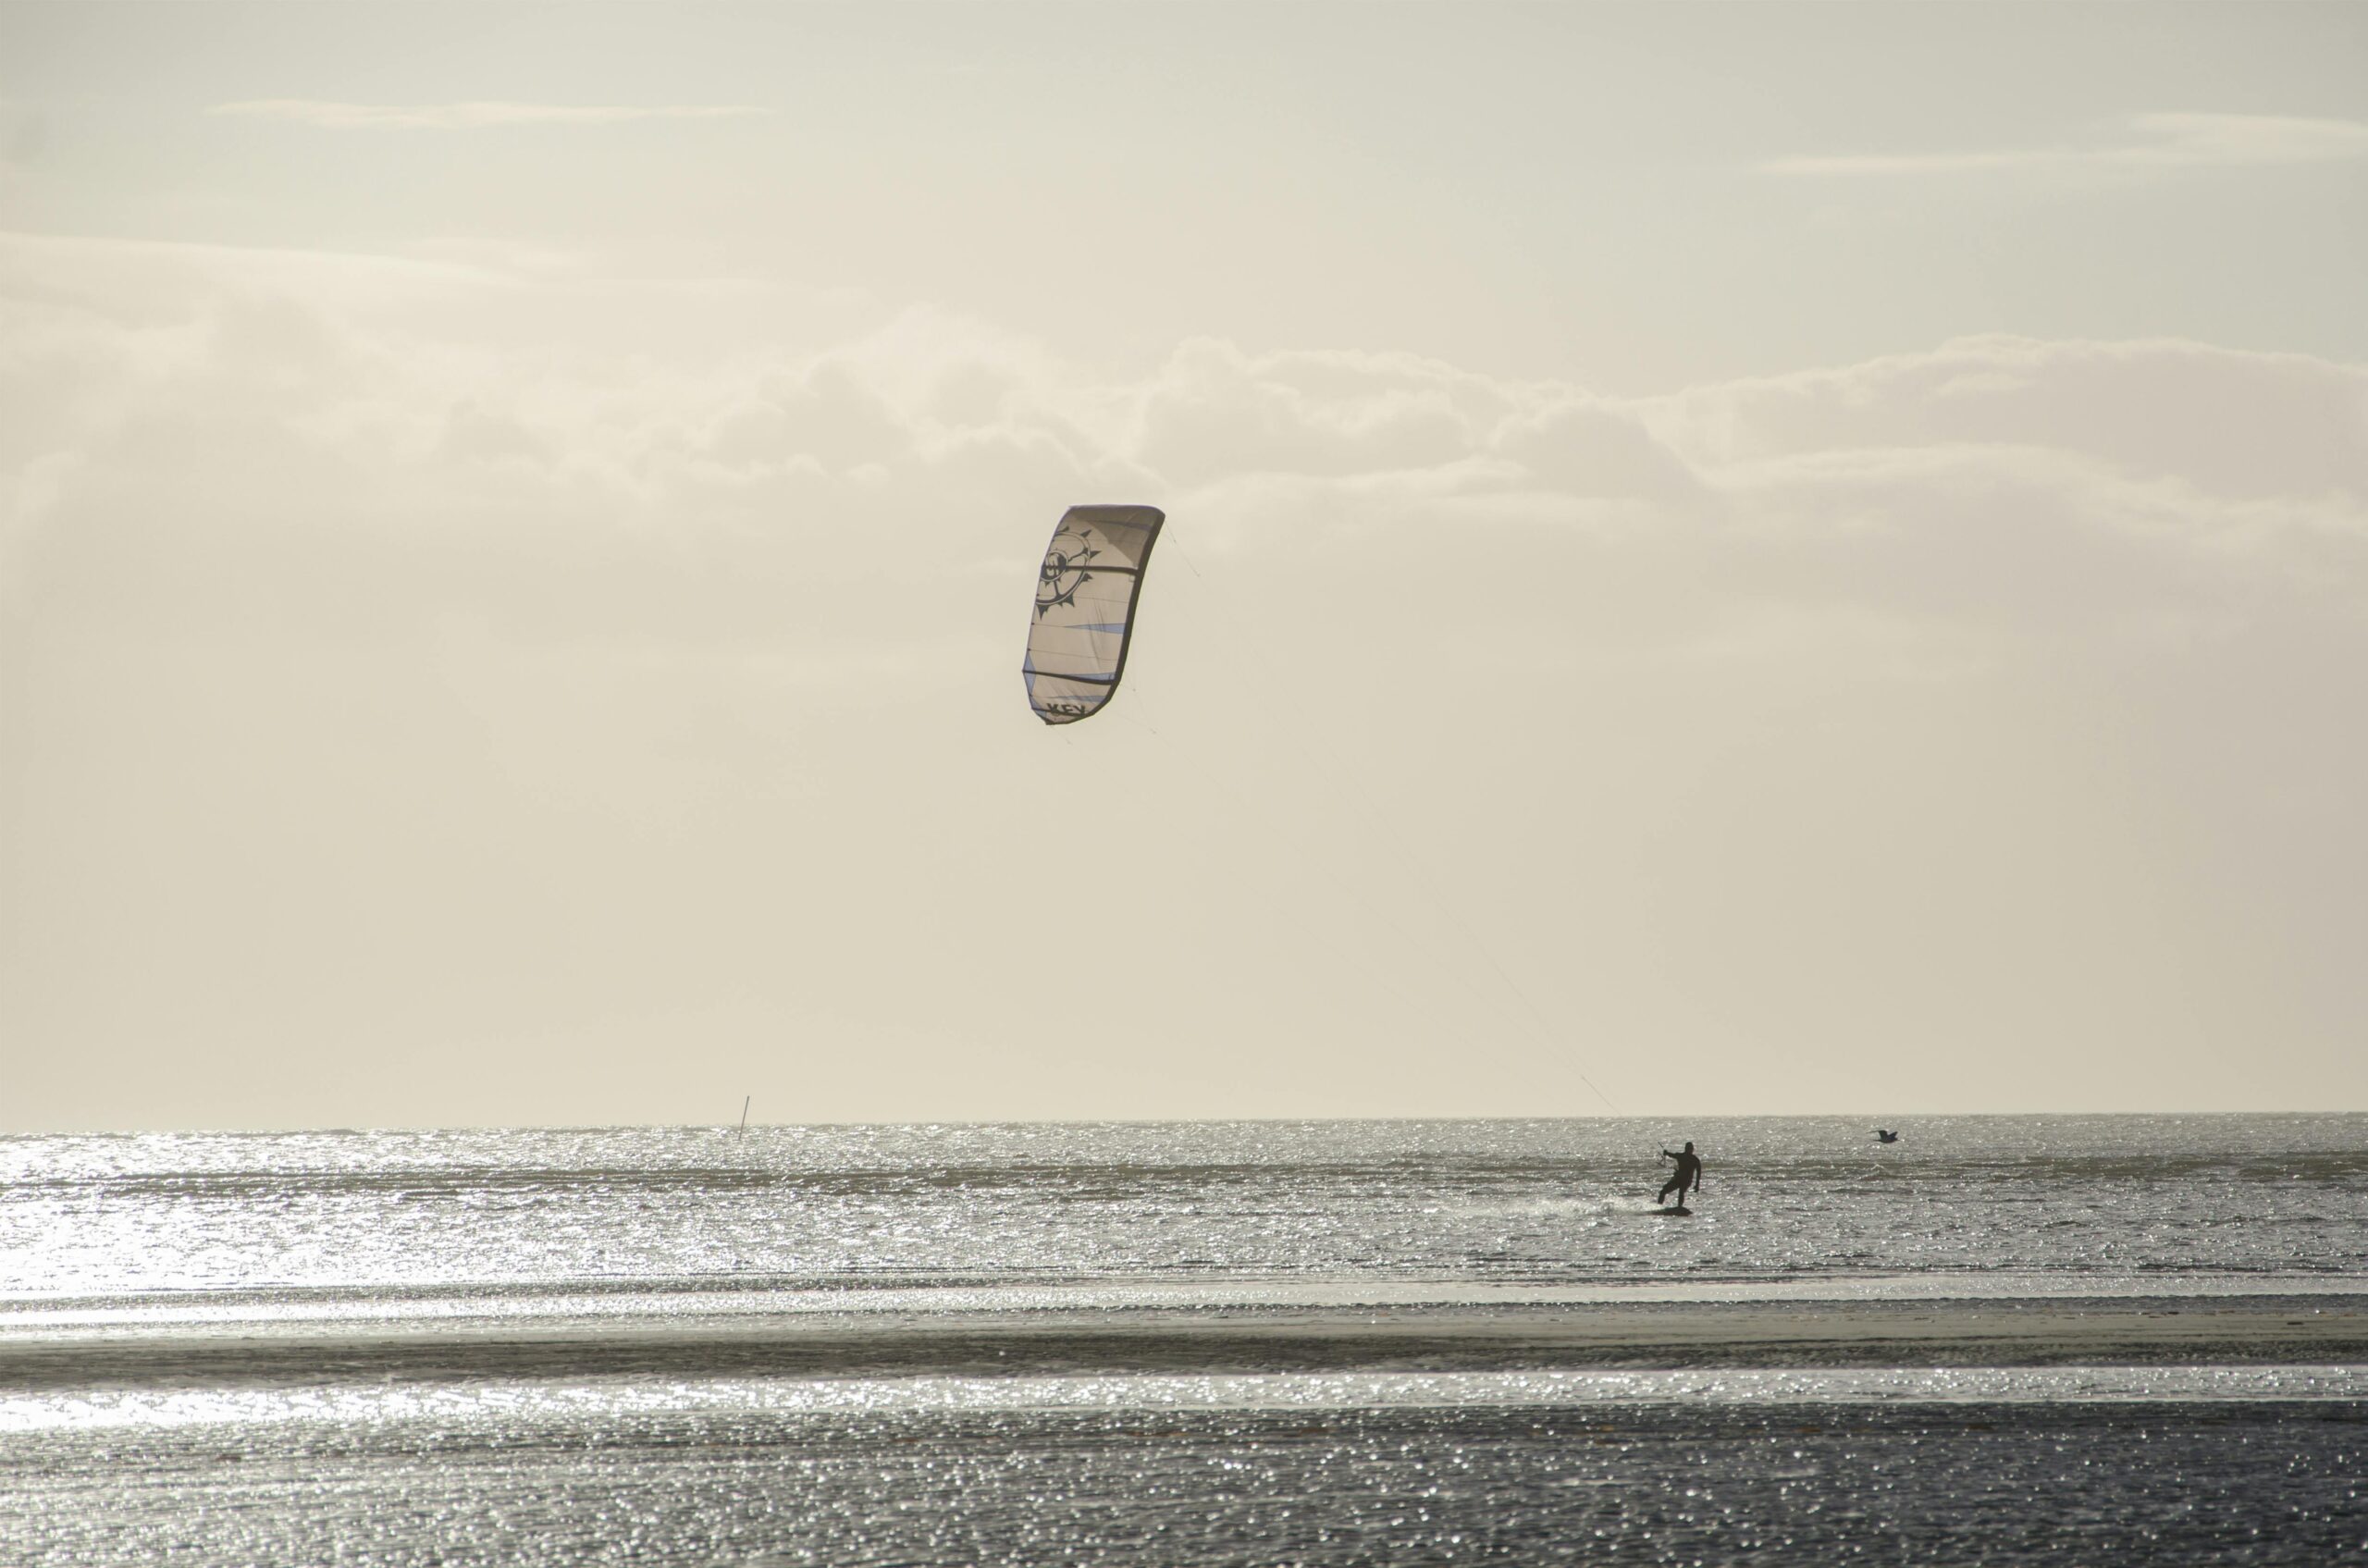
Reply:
x=1085, y=608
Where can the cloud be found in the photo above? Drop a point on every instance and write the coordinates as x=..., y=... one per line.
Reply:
x=157, y=281
x=455, y=117
x=1213, y=410
x=2008, y=483
x=354, y=631
x=2150, y=141
x=2234, y=423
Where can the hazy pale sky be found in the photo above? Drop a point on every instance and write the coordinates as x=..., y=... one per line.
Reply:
x=1773, y=558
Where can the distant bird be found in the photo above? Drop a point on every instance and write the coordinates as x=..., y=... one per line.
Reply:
x=1884, y=1135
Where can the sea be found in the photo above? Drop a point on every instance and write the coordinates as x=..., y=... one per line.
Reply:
x=967, y=1344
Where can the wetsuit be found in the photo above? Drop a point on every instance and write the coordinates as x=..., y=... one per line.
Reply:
x=1688, y=1177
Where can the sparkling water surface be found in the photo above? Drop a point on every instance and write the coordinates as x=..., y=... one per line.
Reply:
x=1543, y=1200
x=2055, y=1483
x=194, y=1248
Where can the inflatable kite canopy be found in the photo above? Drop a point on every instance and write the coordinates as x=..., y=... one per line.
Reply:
x=1085, y=608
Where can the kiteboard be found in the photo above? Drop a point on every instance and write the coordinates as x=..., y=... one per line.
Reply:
x=1681, y=1212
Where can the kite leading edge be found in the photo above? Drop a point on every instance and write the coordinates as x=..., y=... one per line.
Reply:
x=1085, y=608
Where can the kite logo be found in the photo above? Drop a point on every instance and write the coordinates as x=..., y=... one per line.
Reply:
x=1063, y=571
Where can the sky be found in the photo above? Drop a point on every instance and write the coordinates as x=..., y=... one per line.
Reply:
x=1720, y=560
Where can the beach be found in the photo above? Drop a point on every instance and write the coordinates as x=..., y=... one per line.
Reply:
x=2263, y=1331
x=2222, y=1428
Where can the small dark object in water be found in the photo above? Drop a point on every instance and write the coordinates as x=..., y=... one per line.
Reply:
x=1885, y=1136
x=1681, y=1212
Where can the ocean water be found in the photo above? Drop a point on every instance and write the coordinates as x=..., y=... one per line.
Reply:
x=92, y=1217
x=831, y=1344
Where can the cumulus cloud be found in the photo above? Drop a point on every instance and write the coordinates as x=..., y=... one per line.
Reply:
x=565, y=670
x=2024, y=482
x=2236, y=422
x=457, y=117
x=2013, y=481
x=2009, y=482
x=2148, y=140
x=1214, y=410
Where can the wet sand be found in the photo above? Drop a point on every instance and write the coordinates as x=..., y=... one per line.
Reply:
x=2296, y=1330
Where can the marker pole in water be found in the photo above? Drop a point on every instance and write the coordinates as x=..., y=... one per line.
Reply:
x=744, y=1111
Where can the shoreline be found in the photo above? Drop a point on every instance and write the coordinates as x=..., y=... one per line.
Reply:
x=743, y=1293
x=1220, y=1340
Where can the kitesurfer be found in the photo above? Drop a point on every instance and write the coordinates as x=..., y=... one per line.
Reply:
x=1688, y=1177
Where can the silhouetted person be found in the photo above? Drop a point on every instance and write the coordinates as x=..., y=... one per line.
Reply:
x=1688, y=1177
